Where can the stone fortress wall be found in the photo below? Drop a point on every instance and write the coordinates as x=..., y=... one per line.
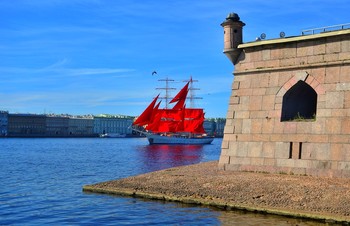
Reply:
x=289, y=111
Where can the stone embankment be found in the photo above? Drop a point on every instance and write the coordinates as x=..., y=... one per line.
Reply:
x=326, y=199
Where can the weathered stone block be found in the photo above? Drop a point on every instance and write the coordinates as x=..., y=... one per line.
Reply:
x=345, y=46
x=331, y=57
x=242, y=150
x=278, y=126
x=276, y=53
x=281, y=150
x=267, y=126
x=338, y=138
x=289, y=127
x=268, y=150
x=244, y=83
x=347, y=100
x=255, y=103
x=235, y=85
x=319, y=75
x=344, y=165
x=242, y=114
x=285, y=162
x=341, y=113
x=319, y=48
x=343, y=56
x=320, y=89
x=232, y=150
x=257, y=161
x=232, y=167
x=323, y=113
x=345, y=73
x=300, y=163
x=256, y=126
x=224, y=159
x=304, y=127
x=230, y=114
x=317, y=138
x=260, y=137
x=269, y=161
x=304, y=49
x=246, y=126
x=237, y=123
x=240, y=161
x=334, y=99
x=333, y=125
x=333, y=47
x=254, y=149
x=224, y=144
x=229, y=129
x=234, y=100
x=317, y=151
x=318, y=126
x=315, y=59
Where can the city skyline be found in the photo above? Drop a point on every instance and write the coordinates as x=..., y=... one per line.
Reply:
x=97, y=56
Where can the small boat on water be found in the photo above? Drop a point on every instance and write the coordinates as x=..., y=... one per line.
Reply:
x=112, y=135
x=176, y=125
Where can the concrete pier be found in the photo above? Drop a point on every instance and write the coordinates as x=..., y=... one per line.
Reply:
x=319, y=198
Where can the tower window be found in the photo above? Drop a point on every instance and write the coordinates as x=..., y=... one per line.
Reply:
x=299, y=103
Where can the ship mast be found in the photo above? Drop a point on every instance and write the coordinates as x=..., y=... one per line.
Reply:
x=167, y=90
x=192, y=95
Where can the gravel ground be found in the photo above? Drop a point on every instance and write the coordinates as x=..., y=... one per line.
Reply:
x=299, y=196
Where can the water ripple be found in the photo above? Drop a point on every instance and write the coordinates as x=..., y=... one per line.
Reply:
x=42, y=183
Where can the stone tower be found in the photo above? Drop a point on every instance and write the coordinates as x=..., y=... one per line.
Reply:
x=233, y=36
x=289, y=110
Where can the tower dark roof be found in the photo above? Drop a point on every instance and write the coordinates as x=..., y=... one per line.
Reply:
x=233, y=17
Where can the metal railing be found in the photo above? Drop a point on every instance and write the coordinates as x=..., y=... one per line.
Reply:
x=325, y=29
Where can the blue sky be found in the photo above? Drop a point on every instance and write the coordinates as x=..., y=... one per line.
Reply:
x=97, y=56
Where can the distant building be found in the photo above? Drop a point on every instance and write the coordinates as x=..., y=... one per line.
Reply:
x=113, y=124
x=214, y=126
x=26, y=125
x=3, y=123
x=209, y=126
x=57, y=126
x=80, y=127
x=220, y=126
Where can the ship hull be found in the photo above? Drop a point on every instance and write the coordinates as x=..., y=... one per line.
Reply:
x=158, y=139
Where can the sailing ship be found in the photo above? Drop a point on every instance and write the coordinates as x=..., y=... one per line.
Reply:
x=176, y=125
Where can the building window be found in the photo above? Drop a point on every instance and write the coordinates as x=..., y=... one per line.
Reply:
x=299, y=103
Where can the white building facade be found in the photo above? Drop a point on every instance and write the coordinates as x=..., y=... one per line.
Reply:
x=112, y=124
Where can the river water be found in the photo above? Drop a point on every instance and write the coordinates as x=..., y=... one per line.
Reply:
x=42, y=179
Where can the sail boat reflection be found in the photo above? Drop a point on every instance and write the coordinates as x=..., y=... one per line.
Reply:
x=157, y=157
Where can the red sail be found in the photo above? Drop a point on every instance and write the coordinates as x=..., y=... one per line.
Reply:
x=180, y=104
x=193, y=113
x=165, y=120
x=193, y=120
x=153, y=125
x=155, y=111
x=186, y=120
x=146, y=116
x=181, y=95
